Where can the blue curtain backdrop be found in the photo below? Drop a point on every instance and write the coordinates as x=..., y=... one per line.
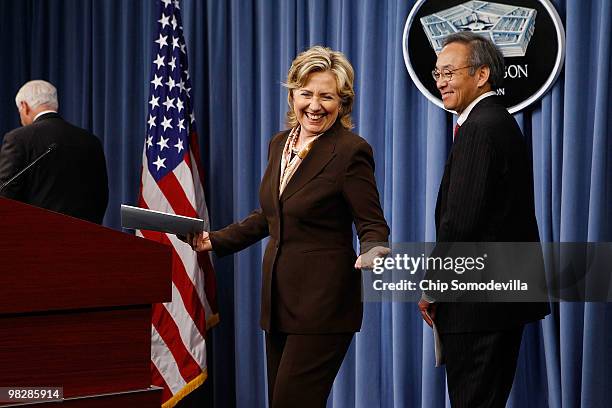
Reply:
x=98, y=55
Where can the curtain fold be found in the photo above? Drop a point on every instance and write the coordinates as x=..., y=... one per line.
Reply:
x=97, y=53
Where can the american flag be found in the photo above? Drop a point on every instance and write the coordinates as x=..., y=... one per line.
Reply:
x=172, y=182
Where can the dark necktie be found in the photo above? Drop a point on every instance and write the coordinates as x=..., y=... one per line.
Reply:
x=456, y=131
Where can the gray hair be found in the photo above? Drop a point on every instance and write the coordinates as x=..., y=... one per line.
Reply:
x=37, y=93
x=482, y=52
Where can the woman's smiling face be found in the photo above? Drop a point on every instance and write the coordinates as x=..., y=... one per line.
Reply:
x=317, y=103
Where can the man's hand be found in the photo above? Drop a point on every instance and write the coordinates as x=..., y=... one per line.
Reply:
x=199, y=242
x=428, y=311
x=367, y=260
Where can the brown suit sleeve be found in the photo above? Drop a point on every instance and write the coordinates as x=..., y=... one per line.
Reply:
x=240, y=235
x=360, y=192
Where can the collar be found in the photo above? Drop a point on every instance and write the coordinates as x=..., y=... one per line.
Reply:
x=43, y=113
x=464, y=115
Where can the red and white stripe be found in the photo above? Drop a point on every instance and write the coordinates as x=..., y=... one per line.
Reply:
x=178, y=345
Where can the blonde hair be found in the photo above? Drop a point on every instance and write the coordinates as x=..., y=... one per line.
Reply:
x=321, y=59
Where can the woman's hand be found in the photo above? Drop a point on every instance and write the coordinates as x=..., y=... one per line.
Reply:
x=366, y=261
x=199, y=242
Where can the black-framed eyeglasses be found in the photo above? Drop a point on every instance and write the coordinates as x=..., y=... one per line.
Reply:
x=446, y=74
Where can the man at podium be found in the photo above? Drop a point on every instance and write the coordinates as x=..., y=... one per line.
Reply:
x=50, y=163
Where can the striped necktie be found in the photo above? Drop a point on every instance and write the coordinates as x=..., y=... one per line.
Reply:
x=456, y=131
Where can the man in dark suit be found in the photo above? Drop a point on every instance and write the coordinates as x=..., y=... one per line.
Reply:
x=72, y=178
x=486, y=195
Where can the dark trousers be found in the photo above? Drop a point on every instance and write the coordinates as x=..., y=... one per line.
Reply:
x=480, y=367
x=302, y=367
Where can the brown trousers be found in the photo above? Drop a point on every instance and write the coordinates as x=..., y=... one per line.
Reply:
x=302, y=367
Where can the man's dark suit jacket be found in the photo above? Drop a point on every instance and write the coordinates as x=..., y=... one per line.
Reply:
x=71, y=180
x=486, y=195
x=309, y=282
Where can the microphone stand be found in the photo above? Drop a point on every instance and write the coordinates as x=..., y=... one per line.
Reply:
x=51, y=147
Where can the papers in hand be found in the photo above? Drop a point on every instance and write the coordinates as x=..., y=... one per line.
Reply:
x=437, y=344
x=139, y=218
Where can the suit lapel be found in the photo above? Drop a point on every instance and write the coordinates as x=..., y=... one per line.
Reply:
x=321, y=153
x=482, y=104
x=275, y=163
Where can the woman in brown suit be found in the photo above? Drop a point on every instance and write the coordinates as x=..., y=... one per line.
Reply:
x=318, y=183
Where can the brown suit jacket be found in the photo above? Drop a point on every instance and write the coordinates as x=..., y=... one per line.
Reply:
x=309, y=283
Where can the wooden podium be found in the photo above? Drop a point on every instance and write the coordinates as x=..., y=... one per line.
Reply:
x=75, y=308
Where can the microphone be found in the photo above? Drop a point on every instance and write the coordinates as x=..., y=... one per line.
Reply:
x=51, y=147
